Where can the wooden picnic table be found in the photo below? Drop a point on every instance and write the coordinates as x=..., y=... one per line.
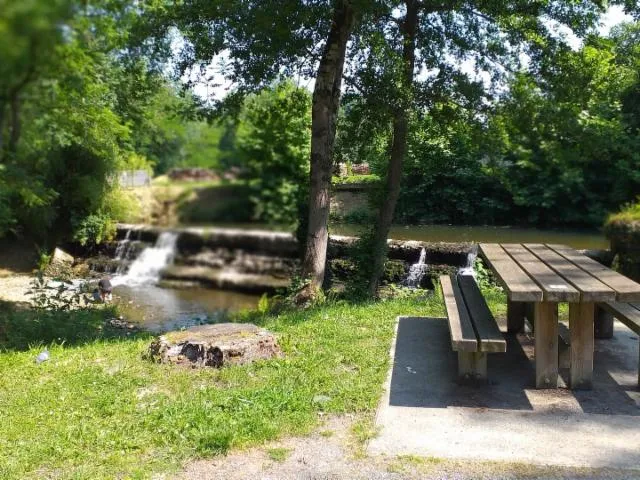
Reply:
x=545, y=275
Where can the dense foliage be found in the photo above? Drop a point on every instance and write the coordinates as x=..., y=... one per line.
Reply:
x=558, y=148
x=273, y=141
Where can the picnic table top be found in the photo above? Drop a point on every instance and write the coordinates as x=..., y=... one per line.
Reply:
x=535, y=272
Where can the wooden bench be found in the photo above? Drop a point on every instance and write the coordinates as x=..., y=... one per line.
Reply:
x=474, y=331
x=627, y=313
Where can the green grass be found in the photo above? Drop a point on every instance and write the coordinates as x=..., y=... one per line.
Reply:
x=98, y=410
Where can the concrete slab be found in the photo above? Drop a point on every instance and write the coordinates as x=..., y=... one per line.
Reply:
x=425, y=412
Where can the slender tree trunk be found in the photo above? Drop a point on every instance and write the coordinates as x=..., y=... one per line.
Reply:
x=16, y=126
x=326, y=102
x=398, y=147
x=2, y=115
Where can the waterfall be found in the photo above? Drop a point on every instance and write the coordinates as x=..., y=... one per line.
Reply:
x=468, y=268
x=122, y=252
x=417, y=271
x=146, y=269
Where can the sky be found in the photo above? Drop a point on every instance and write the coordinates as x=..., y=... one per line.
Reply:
x=216, y=87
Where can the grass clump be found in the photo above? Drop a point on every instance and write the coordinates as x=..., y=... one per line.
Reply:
x=279, y=454
x=97, y=410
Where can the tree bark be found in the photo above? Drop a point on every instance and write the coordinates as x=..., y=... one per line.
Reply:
x=398, y=147
x=326, y=102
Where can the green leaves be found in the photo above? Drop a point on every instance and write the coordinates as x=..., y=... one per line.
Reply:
x=274, y=141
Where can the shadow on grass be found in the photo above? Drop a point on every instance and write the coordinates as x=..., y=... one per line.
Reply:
x=22, y=328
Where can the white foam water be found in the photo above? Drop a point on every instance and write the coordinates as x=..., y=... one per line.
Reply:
x=468, y=268
x=147, y=268
x=417, y=271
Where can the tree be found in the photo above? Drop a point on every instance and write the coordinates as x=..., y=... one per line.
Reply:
x=273, y=143
x=66, y=131
x=264, y=40
x=492, y=36
x=567, y=149
x=326, y=101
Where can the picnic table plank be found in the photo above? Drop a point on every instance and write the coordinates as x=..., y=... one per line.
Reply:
x=626, y=313
x=519, y=286
x=591, y=289
x=626, y=289
x=554, y=287
x=489, y=335
x=463, y=336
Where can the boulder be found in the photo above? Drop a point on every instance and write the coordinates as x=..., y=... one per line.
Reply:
x=216, y=345
x=60, y=265
x=61, y=257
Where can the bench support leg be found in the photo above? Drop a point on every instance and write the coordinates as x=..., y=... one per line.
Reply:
x=581, y=327
x=515, y=317
x=472, y=366
x=546, y=344
x=603, y=324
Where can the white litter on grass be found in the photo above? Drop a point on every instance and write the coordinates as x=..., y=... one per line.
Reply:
x=42, y=356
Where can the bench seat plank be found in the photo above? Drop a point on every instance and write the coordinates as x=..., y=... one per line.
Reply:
x=554, y=287
x=463, y=337
x=626, y=289
x=519, y=286
x=489, y=335
x=626, y=313
x=590, y=288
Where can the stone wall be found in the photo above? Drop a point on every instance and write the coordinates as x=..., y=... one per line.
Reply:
x=350, y=201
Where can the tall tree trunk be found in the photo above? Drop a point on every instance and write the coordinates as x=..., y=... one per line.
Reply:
x=326, y=102
x=398, y=148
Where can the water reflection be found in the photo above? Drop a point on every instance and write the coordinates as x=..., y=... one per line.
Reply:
x=161, y=309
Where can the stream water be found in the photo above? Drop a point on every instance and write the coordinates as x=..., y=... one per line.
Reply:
x=141, y=301
x=580, y=239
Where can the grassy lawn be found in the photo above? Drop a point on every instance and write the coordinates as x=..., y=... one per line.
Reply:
x=98, y=410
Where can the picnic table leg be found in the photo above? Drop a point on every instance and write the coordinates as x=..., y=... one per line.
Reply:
x=546, y=344
x=515, y=317
x=603, y=324
x=581, y=328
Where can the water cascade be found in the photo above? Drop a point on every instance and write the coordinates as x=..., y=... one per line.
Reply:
x=122, y=252
x=146, y=269
x=468, y=267
x=417, y=271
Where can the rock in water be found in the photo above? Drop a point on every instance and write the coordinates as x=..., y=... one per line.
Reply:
x=215, y=345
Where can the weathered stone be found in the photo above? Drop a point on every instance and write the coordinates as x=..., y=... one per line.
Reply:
x=60, y=265
x=216, y=346
x=61, y=257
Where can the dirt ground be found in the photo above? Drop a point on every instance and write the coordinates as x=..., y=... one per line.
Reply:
x=332, y=452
